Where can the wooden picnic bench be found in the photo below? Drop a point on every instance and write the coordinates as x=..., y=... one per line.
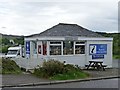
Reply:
x=96, y=64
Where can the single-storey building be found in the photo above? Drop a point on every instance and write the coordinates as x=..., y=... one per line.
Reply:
x=69, y=43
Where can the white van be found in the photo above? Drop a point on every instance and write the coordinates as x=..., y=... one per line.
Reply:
x=15, y=52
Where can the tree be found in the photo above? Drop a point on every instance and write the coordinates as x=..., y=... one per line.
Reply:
x=5, y=41
x=19, y=40
x=5, y=49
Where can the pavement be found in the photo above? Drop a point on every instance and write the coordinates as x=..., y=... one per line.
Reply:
x=27, y=79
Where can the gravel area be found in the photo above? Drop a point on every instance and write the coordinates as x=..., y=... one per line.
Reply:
x=101, y=73
x=108, y=71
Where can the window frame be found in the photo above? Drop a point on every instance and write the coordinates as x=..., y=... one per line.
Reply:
x=73, y=48
x=55, y=44
x=82, y=44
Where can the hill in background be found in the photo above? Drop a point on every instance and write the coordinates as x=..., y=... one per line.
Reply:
x=9, y=36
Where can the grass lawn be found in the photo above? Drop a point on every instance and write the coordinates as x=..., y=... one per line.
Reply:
x=116, y=56
x=70, y=75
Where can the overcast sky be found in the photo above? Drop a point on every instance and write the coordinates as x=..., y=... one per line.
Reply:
x=34, y=16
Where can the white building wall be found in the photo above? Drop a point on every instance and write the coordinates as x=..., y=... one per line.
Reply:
x=80, y=60
x=70, y=59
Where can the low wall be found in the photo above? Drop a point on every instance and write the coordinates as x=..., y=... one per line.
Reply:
x=28, y=63
x=32, y=63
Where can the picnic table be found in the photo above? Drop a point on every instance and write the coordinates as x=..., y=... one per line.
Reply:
x=96, y=64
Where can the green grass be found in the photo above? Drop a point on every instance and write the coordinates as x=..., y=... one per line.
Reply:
x=116, y=56
x=11, y=72
x=9, y=67
x=70, y=76
x=55, y=70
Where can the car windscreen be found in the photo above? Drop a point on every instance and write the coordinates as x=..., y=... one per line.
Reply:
x=12, y=52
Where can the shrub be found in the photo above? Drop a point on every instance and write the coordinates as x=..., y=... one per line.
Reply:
x=52, y=67
x=10, y=67
x=70, y=67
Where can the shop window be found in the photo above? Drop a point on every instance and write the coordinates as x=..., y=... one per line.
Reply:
x=44, y=47
x=80, y=48
x=55, y=50
x=68, y=47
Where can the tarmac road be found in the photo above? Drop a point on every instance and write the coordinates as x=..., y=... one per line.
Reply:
x=105, y=83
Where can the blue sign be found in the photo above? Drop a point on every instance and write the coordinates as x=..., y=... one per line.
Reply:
x=97, y=56
x=98, y=49
x=28, y=47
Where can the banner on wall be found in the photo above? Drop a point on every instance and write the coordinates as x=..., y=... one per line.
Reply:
x=97, y=49
x=28, y=48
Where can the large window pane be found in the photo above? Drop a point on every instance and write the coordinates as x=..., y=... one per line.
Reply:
x=79, y=49
x=68, y=47
x=12, y=52
x=55, y=50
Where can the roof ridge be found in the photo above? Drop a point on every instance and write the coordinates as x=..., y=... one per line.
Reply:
x=66, y=24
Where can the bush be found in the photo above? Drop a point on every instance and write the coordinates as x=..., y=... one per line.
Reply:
x=5, y=49
x=52, y=68
x=10, y=67
x=70, y=67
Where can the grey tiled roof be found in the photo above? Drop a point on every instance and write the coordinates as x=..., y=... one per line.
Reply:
x=63, y=29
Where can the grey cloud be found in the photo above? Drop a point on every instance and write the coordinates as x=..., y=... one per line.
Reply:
x=35, y=17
